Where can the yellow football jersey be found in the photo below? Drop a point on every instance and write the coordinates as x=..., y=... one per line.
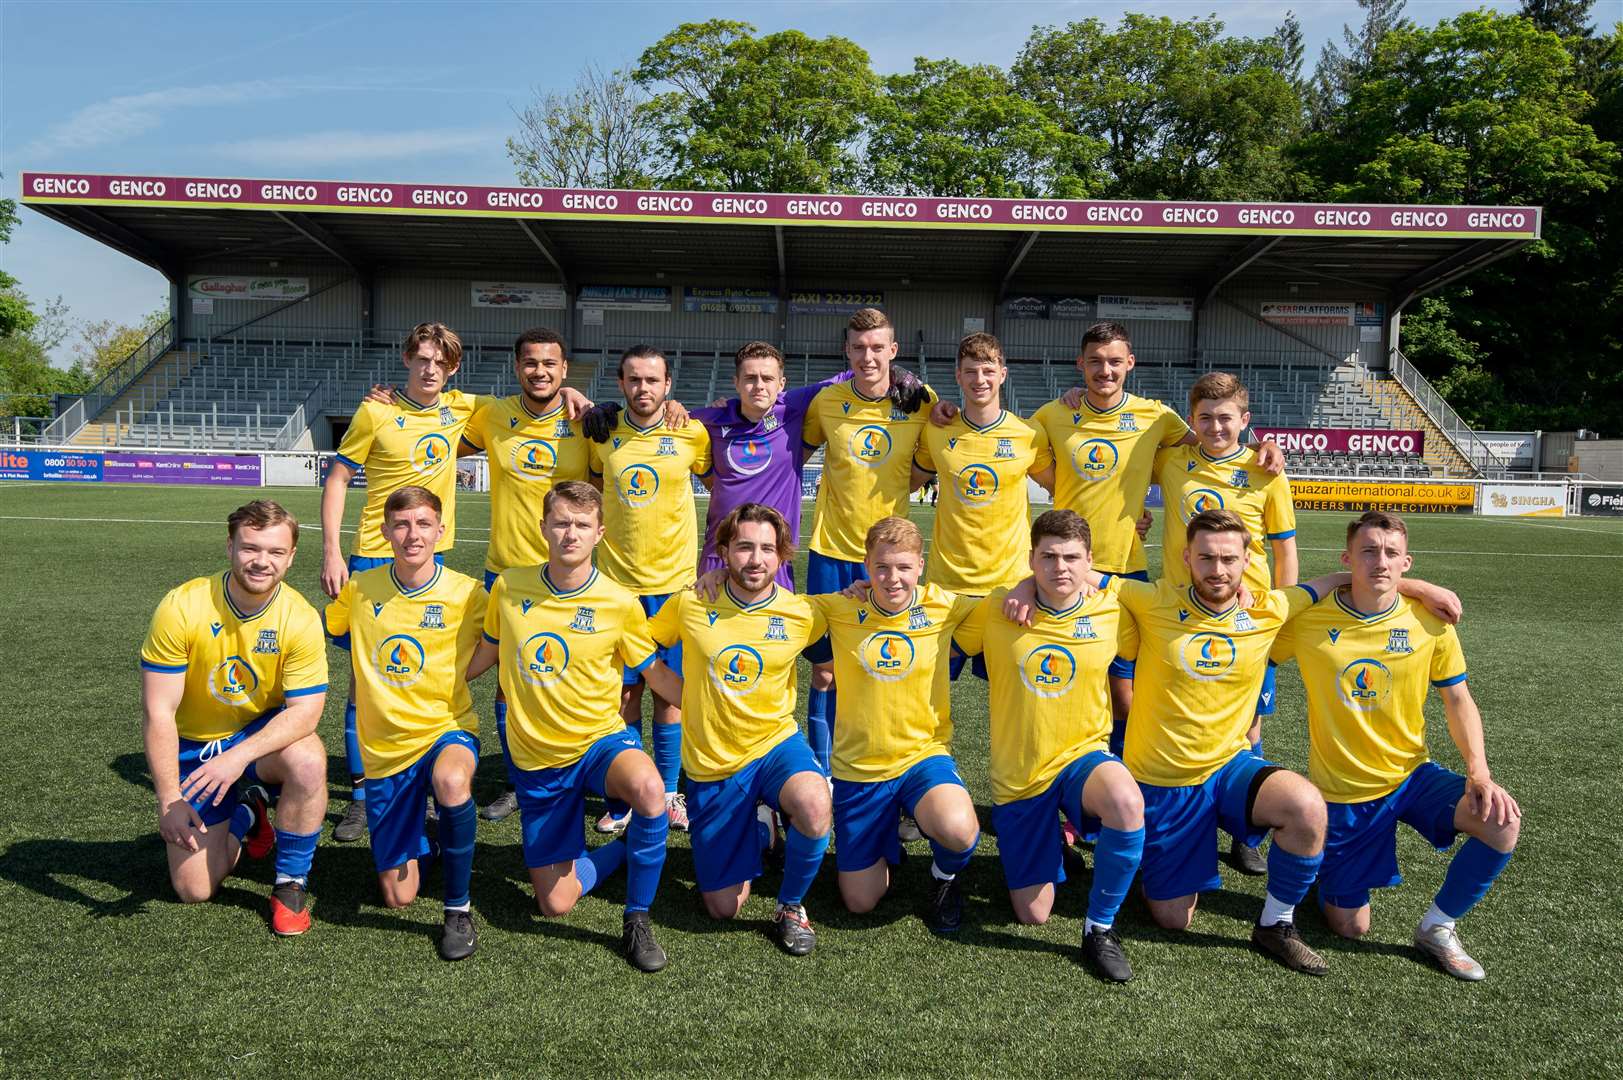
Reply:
x=982, y=519
x=561, y=658
x=650, y=530
x=1050, y=684
x=738, y=674
x=406, y=443
x=238, y=665
x=1192, y=481
x=527, y=454
x=1199, y=673
x=1104, y=463
x=409, y=651
x=893, y=710
x=1367, y=677
x=867, y=465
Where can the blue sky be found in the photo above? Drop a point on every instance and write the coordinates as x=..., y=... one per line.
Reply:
x=410, y=91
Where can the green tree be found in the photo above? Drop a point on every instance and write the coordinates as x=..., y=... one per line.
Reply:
x=599, y=134
x=951, y=129
x=104, y=344
x=783, y=112
x=1183, y=111
x=15, y=314
x=1340, y=68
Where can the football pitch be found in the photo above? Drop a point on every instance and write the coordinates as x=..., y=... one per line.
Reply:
x=107, y=974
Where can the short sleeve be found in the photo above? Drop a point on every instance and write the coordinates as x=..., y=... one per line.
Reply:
x=474, y=433
x=474, y=611
x=493, y=610
x=1291, y=602
x=818, y=624
x=1447, y=658
x=701, y=450
x=357, y=442
x=636, y=646
x=1127, y=636
x=304, y=656
x=167, y=646
x=335, y=617
x=970, y=636
x=1135, y=596
x=596, y=453
x=922, y=457
x=1284, y=647
x=1042, y=451
x=797, y=401
x=1172, y=428
x=1163, y=457
x=665, y=627
x=811, y=433
x=1278, y=509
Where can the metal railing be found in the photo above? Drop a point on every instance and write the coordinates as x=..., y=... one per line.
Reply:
x=24, y=430
x=108, y=388
x=1440, y=413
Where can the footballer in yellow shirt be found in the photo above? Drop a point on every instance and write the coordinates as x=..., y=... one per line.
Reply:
x=411, y=628
x=1201, y=658
x=1369, y=656
x=983, y=455
x=563, y=633
x=233, y=679
x=650, y=539
x=893, y=738
x=741, y=745
x=1050, y=727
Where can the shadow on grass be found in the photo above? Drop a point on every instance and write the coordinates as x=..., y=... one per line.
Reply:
x=136, y=868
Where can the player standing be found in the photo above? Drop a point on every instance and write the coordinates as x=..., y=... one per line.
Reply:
x=1218, y=473
x=1368, y=656
x=868, y=472
x=233, y=680
x=892, y=742
x=982, y=536
x=650, y=535
x=410, y=440
x=562, y=633
x=741, y=745
x=411, y=628
x=1050, y=727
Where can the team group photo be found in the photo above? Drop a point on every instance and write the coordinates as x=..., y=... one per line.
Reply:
x=1098, y=554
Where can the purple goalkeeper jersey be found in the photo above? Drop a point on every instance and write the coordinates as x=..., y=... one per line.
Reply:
x=757, y=461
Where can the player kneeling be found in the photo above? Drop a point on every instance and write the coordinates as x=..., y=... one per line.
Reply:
x=742, y=746
x=563, y=633
x=1050, y=728
x=411, y=627
x=1367, y=656
x=233, y=678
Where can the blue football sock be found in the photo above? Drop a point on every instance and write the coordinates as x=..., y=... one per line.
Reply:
x=352, y=754
x=242, y=819
x=457, y=826
x=645, y=858
x=820, y=726
x=1470, y=874
x=1115, y=861
x=1118, y=735
x=950, y=862
x=598, y=864
x=501, y=727
x=294, y=854
x=802, y=858
x=1290, y=875
x=668, y=754
x=1256, y=748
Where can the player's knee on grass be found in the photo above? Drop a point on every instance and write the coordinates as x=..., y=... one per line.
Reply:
x=1348, y=922
x=193, y=886
x=1174, y=914
x=726, y=903
x=1033, y=904
x=822, y=676
x=557, y=890
x=861, y=890
x=399, y=885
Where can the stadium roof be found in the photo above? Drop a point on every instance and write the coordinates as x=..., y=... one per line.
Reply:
x=180, y=223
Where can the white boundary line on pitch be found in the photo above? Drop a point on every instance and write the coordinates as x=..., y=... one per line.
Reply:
x=317, y=528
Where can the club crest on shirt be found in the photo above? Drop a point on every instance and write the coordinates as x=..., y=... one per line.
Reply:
x=917, y=619
x=1005, y=449
x=1397, y=641
x=563, y=430
x=667, y=446
x=897, y=414
x=1084, y=630
x=267, y=643
x=585, y=621
x=775, y=629
x=1127, y=422
x=1242, y=621
x=1240, y=479
x=769, y=422
x=433, y=617
x=447, y=418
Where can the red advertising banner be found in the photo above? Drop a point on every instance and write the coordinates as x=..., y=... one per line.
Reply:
x=1344, y=440
x=1268, y=219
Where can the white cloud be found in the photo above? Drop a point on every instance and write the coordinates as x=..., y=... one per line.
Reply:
x=121, y=118
x=322, y=148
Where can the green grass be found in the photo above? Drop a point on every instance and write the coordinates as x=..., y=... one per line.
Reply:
x=105, y=973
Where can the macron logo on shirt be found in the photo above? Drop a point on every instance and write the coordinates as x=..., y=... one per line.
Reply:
x=214, y=629
x=524, y=606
